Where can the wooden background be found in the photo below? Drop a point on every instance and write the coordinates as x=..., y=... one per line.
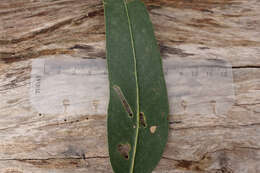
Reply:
x=31, y=142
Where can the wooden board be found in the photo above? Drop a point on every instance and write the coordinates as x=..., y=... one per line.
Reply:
x=34, y=142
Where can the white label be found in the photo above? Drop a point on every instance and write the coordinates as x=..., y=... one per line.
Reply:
x=80, y=86
x=69, y=85
x=199, y=86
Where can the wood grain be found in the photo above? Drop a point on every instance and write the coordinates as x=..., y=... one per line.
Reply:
x=32, y=142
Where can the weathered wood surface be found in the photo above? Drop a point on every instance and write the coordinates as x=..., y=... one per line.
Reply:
x=39, y=143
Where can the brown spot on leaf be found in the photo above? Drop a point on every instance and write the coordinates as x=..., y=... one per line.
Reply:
x=142, y=119
x=123, y=100
x=124, y=150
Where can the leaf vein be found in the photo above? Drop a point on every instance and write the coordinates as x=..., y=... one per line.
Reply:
x=137, y=89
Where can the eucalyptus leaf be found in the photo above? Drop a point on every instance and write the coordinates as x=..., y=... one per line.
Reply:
x=138, y=107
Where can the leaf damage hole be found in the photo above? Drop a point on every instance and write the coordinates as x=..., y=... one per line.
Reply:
x=123, y=100
x=153, y=129
x=143, y=119
x=124, y=150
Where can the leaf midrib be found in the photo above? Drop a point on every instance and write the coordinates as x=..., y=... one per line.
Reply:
x=137, y=89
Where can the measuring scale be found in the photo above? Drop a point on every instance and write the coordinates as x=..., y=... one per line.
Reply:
x=80, y=86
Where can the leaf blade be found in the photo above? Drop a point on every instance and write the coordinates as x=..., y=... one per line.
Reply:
x=132, y=56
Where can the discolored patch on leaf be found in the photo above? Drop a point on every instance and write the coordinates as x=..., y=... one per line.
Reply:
x=153, y=129
x=143, y=119
x=123, y=100
x=124, y=150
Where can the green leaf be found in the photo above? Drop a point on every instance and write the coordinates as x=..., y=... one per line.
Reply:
x=138, y=106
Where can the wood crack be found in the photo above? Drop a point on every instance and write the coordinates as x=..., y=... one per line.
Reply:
x=54, y=158
x=246, y=66
x=53, y=27
x=202, y=164
x=211, y=152
x=214, y=127
x=38, y=32
x=172, y=122
x=33, y=54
